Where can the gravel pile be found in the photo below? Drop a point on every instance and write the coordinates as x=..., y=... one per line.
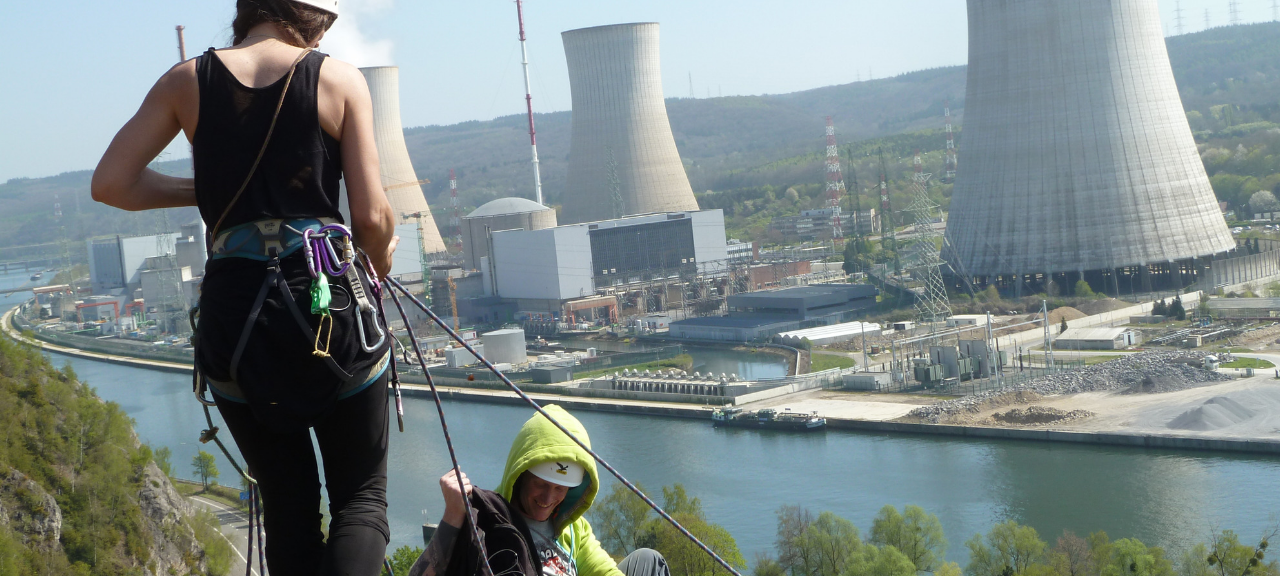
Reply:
x=1144, y=372
x=1039, y=415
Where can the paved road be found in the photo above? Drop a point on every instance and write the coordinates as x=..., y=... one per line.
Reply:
x=235, y=528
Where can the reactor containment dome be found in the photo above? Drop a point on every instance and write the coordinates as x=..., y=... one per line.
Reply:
x=1078, y=159
x=501, y=214
x=401, y=184
x=622, y=156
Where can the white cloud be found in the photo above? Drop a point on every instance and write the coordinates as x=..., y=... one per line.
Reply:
x=346, y=42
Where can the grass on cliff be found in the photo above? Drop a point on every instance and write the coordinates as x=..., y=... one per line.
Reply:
x=83, y=452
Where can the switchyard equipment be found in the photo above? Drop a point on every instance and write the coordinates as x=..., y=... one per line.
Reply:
x=615, y=80
x=401, y=184
x=835, y=181
x=1079, y=162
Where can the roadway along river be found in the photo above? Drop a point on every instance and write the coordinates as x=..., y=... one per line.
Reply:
x=1168, y=498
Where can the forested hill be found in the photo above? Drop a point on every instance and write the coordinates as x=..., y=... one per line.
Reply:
x=78, y=494
x=727, y=143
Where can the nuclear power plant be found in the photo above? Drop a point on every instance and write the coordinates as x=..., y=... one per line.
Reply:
x=1078, y=159
x=622, y=156
x=402, y=186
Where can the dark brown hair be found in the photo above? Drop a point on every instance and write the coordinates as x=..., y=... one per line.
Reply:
x=301, y=24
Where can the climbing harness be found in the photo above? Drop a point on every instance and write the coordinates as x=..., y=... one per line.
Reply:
x=393, y=283
x=323, y=261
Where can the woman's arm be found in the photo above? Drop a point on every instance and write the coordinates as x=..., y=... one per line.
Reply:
x=122, y=178
x=372, y=220
x=435, y=559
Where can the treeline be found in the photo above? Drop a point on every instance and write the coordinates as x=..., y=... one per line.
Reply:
x=903, y=542
x=64, y=452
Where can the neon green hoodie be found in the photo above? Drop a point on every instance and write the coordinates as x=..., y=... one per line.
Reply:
x=540, y=441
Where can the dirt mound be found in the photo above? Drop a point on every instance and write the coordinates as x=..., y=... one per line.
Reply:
x=1099, y=306
x=1216, y=413
x=1039, y=415
x=1057, y=314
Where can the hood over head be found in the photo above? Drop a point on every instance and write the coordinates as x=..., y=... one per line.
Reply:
x=540, y=441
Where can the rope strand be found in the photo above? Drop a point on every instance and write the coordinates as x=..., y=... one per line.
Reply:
x=544, y=413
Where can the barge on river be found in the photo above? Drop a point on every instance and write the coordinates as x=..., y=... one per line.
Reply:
x=768, y=418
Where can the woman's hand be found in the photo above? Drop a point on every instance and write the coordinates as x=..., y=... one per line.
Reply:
x=455, y=509
x=383, y=265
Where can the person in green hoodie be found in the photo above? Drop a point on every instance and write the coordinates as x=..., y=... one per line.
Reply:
x=536, y=514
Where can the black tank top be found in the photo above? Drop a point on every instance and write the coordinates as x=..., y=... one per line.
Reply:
x=299, y=173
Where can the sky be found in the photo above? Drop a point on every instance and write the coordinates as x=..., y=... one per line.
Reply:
x=71, y=76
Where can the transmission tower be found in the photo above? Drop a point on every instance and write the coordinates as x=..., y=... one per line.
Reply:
x=951, y=162
x=835, y=182
x=64, y=244
x=1275, y=10
x=615, y=184
x=455, y=218
x=1177, y=17
x=888, y=236
x=1206, y=19
x=926, y=266
x=1233, y=9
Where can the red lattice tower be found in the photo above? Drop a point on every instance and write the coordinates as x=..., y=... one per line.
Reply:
x=835, y=181
x=951, y=146
x=455, y=219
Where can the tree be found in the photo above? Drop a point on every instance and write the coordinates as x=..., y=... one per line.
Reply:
x=1072, y=556
x=1009, y=549
x=684, y=558
x=793, y=555
x=1130, y=557
x=990, y=294
x=915, y=533
x=1176, y=310
x=617, y=518
x=1063, y=327
x=1083, y=290
x=880, y=561
x=1228, y=557
x=1159, y=308
x=204, y=467
x=1263, y=201
x=162, y=457
x=767, y=566
x=402, y=560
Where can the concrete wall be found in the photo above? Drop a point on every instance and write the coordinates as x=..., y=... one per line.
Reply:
x=474, y=231
x=615, y=79
x=709, y=244
x=1077, y=153
x=550, y=264
x=398, y=177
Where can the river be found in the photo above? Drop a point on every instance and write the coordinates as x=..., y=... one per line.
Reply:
x=1163, y=497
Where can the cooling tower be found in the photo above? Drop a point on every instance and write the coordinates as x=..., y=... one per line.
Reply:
x=621, y=137
x=1077, y=153
x=398, y=178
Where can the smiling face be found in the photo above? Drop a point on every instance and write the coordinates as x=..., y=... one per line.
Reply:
x=538, y=498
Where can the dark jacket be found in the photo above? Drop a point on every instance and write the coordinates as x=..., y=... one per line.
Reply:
x=506, y=539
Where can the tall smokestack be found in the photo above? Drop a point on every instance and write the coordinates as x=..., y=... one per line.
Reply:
x=398, y=179
x=621, y=135
x=1078, y=156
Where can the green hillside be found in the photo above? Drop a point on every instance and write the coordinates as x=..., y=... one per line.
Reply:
x=744, y=147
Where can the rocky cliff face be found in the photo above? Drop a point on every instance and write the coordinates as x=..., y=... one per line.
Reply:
x=29, y=511
x=174, y=546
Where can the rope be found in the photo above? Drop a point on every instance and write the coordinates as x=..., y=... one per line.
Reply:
x=393, y=282
x=448, y=440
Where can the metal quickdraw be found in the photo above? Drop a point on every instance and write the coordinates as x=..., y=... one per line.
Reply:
x=323, y=261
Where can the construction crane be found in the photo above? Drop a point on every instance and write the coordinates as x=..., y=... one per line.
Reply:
x=422, y=257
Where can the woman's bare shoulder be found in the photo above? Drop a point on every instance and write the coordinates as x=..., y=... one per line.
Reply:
x=342, y=78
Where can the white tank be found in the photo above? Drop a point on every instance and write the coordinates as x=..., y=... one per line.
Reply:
x=398, y=177
x=505, y=346
x=620, y=127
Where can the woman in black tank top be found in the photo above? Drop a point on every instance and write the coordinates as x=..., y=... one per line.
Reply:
x=274, y=126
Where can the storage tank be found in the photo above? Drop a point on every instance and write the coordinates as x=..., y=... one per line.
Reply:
x=505, y=345
x=620, y=129
x=398, y=178
x=500, y=214
x=1078, y=159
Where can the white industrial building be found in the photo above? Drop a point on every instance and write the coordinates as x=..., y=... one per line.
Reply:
x=505, y=346
x=1097, y=339
x=823, y=335
x=497, y=215
x=544, y=268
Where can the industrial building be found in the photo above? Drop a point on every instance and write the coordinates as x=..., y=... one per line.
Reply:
x=622, y=155
x=832, y=334
x=1097, y=339
x=758, y=315
x=544, y=269
x=1079, y=161
x=498, y=215
x=400, y=182
x=1244, y=308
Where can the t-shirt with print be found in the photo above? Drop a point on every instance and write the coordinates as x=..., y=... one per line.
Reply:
x=555, y=561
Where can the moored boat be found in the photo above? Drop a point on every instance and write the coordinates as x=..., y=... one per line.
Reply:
x=768, y=418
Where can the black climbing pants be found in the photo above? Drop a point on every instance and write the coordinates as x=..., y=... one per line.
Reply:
x=353, y=446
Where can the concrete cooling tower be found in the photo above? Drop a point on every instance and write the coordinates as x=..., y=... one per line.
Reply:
x=621, y=137
x=398, y=178
x=1078, y=160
